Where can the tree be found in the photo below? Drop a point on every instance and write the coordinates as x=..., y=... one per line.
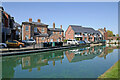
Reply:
x=117, y=35
x=114, y=35
x=110, y=33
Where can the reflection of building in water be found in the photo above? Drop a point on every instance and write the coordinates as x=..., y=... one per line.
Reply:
x=107, y=50
x=85, y=54
x=36, y=61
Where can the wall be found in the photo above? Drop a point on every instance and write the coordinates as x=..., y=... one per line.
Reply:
x=69, y=34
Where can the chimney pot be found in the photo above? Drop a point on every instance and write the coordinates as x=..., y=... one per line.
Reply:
x=104, y=29
x=39, y=20
x=54, y=25
x=30, y=19
x=61, y=26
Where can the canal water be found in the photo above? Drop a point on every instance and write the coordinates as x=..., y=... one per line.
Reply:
x=88, y=62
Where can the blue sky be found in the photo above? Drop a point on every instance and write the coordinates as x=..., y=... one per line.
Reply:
x=88, y=14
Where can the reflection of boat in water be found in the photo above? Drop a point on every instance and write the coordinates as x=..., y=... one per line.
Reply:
x=74, y=50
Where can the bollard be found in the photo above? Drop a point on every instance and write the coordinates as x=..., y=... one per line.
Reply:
x=33, y=45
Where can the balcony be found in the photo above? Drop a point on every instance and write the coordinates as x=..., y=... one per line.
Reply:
x=78, y=36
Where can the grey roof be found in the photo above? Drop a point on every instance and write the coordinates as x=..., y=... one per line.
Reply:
x=81, y=29
x=35, y=23
x=17, y=24
x=98, y=32
x=102, y=30
x=41, y=35
x=81, y=58
x=56, y=29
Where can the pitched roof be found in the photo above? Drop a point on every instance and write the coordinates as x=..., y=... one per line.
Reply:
x=41, y=35
x=17, y=24
x=81, y=29
x=35, y=23
x=56, y=29
x=102, y=30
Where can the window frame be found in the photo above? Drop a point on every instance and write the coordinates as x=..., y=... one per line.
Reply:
x=35, y=29
x=27, y=28
x=42, y=30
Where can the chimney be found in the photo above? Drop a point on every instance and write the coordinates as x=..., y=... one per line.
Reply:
x=54, y=25
x=61, y=26
x=39, y=20
x=30, y=19
x=104, y=29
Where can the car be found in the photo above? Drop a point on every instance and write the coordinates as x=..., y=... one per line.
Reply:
x=29, y=41
x=82, y=42
x=70, y=41
x=3, y=45
x=14, y=43
x=87, y=41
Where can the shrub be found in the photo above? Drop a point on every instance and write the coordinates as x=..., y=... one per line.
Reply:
x=65, y=40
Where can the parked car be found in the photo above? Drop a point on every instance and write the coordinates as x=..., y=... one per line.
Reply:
x=82, y=42
x=29, y=41
x=14, y=43
x=3, y=45
x=72, y=41
x=87, y=41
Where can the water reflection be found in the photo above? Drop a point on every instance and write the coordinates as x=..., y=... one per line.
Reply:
x=28, y=62
x=84, y=53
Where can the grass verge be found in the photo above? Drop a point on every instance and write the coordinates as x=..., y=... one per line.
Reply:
x=113, y=72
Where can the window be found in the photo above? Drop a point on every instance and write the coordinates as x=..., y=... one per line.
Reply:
x=31, y=40
x=60, y=33
x=43, y=38
x=35, y=29
x=27, y=28
x=14, y=42
x=51, y=32
x=42, y=30
x=51, y=40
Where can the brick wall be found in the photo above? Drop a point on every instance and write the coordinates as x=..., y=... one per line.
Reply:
x=39, y=39
x=42, y=27
x=69, y=34
x=56, y=35
x=28, y=33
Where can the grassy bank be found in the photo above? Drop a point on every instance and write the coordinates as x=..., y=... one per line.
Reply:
x=112, y=72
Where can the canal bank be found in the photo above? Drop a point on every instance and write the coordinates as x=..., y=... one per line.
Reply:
x=36, y=50
x=111, y=72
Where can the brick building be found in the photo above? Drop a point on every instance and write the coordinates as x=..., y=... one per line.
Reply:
x=103, y=32
x=40, y=32
x=8, y=26
x=83, y=33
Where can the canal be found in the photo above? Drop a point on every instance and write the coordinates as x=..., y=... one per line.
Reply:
x=88, y=62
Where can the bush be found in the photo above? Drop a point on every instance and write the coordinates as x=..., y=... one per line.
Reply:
x=65, y=40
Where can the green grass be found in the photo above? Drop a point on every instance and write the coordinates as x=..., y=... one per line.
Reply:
x=112, y=72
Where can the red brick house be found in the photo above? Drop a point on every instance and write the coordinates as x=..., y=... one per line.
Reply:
x=83, y=33
x=40, y=32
